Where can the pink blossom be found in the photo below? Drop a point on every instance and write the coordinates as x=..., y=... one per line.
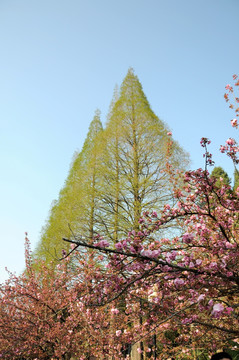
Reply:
x=217, y=309
x=171, y=255
x=102, y=244
x=234, y=123
x=178, y=282
x=115, y=311
x=147, y=253
x=187, y=238
x=155, y=253
x=229, y=245
x=201, y=297
x=204, y=141
x=228, y=310
x=213, y=265
x=230, y=141
x=169, y=133
x=223, y=148
x=132, y=249
x=140, y=233
x=118, y=246
x=187, y=321
x=210, y=302
x=118, y=332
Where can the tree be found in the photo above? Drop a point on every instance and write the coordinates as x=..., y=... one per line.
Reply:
x=135, y=154
x=76, y=208
x=236, y=180
x=87, y=221
x=187, y=284
x=117, y=175
x=221, y=176
x=45, y=315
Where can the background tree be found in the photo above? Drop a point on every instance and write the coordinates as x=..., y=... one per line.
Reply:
x=134, y=157
x=76, y=208
x=117, y=175
x=236, y=179
x=221, y=176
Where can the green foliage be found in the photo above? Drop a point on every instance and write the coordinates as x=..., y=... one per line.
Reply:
x=134, y=157
x=235, y=352
x=117, y=175
x=75, y=209
x=221, y=176
x=236, y=179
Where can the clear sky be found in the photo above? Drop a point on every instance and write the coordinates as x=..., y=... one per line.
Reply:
x=61, y=59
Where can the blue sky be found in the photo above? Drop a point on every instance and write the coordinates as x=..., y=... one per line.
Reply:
x=61, y=59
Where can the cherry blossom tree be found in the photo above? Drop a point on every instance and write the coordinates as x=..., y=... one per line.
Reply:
x=46, y=314
x=188, y=283
x=184, y=287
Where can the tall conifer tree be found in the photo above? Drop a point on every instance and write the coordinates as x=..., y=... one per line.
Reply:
x=134, y=157
x=75, y=211
x=117, y=175
x=236, y=179
x=221, y=175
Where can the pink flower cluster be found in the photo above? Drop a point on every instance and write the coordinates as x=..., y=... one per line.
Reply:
x=234, y=123
x=102, y=244
x=205, y=141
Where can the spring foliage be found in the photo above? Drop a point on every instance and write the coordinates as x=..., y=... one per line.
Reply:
x=118, y=174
